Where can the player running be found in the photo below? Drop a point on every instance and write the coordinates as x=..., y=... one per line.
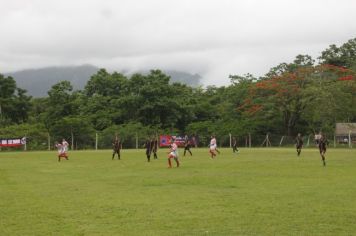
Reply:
x=155, y=147
x=212, y=146
x=62, y=150
x=173, y=154
x=148, y=146
x=323, y=142
x=299, y=143
x=187, y=145
x=234, y=145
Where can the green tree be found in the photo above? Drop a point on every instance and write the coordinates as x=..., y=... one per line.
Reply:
x=344, y=56
x=14, y=103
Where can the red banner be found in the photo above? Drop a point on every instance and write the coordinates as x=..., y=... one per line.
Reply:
x=165, y=140
x=12, y=142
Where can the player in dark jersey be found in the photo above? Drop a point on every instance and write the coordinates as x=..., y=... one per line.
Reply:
x=148, y=146
x=187, y=145
x=234, y=145
x=323, y=142
x=299, y=143
x=154, y=144
x=116, y=147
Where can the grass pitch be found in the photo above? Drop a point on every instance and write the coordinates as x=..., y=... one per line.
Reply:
x=256, y=192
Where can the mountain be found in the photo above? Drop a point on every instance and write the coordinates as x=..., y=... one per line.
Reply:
x=38, y=82
x=184, y=77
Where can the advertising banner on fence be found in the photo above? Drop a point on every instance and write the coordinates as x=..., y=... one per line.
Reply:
x=165, y=140
x=12, y=142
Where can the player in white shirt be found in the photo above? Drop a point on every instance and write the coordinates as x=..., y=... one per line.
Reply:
x=62, y=150
x=173, y=154
x=212, y=146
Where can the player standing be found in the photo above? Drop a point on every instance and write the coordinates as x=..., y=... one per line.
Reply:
x=299, y=143
x=173, y=154
x=116, y=146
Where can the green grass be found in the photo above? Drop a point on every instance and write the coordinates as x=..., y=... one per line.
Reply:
x=256, y=192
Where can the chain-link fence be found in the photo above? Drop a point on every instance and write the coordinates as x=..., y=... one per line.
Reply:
x=132, y=140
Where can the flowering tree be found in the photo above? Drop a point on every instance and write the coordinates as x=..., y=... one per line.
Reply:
x=289, y=94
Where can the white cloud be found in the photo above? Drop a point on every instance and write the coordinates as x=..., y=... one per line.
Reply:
x=213, y=37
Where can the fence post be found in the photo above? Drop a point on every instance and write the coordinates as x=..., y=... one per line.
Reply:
x=96, y=141
x=249, y=140
x=230, y=139
x=280, y=143
x=25, y=147
x=350, y=143
x=49, y=142
x=334, y=141
x=308, y=141
x=72, y=140
x=136, y=141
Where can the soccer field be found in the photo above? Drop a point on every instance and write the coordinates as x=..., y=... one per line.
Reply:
x=256, y=192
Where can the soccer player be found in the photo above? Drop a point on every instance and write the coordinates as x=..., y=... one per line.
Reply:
x=61, y=151
x=173, y=154
x=155, y=147
x=187, y=145
x=65, y=146
x=116, y=147
x=317, y=138
x=148, y=146
x=212, y=148
x=234, y=145
x=299, y=143
x=323, y=142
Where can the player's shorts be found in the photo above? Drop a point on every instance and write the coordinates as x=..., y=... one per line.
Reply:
x=173, y=154
x=212, y=147
x=299, y=146
x=62, y=154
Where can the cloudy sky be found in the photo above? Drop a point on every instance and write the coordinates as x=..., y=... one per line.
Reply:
x=213, y=38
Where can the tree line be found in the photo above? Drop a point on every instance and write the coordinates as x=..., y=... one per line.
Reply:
x=298, y=97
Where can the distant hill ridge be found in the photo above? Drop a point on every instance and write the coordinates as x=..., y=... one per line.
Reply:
x=37, y=82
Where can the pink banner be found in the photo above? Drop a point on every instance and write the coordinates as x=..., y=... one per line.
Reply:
x=12, y=142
